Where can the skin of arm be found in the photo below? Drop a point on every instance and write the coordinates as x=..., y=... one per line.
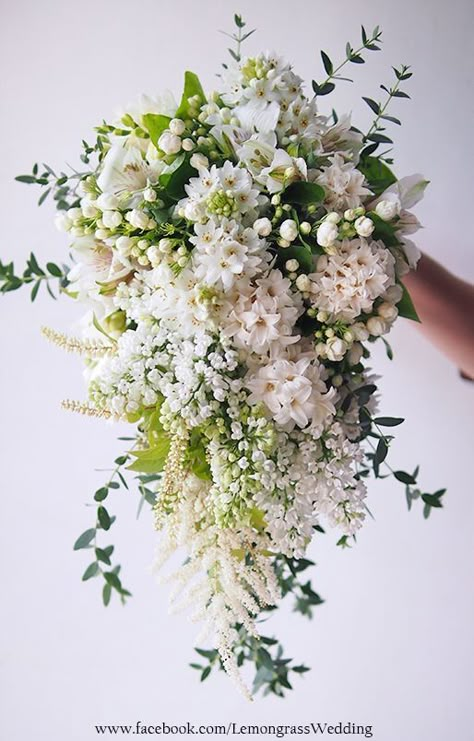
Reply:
x=445, y=305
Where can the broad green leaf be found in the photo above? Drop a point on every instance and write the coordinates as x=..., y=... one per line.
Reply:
x=106, y=594
x=104, y=518
x=378, y=175
x=303, y=193
x=192, y=87
x=388, y=421
x=151, y=460
x=384, y=230
x=301, y=253
x=155, y=124
x=406, y=307
x=176, y=175
x=91, y=571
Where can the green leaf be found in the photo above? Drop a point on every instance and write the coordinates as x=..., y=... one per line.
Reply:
x=85, y=539
x=405, y=478
x=155, y=124
x=106, y=594
x=205, y=673
x=389, y=421
x=431, y=500
x=26, y=179
x=378, y=175
x=101, y=494
x=192, y=87
x=54, y=269
x=104, y=518
x=328, y=66
x=176, y=175
x=384, y=230
x=151, y=460
x=102, y=554
x=112, y=580
x=372, y=105
x=35, y=289
x=303, y=193
x=325, y=89
x=91, y=571
x=406, y=307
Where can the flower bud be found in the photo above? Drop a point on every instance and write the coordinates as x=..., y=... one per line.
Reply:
x=387, y=311
x=387, y=210
x=149, y=195
x=303, y=283
x=138, y=219
x=169, y=143
x=199, y=160
x=335, y=349
x=111, y=219
x=364, y=226
x=188, y=145
x=326, y=234
x=123, y=245
x=305, y=227
x=292, y=265
x=63, y=222
x=107, y=201
x=289, y=230
x=376, y=326
x=333, y=217
x=263, y=227
x=177, y=126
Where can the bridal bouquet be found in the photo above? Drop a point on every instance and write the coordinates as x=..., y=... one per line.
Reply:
x=236, y=255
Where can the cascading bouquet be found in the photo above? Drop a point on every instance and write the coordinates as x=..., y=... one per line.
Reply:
x=236, y=255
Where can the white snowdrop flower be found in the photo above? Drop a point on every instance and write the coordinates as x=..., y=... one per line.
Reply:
x=292, y=265
x=63, y=222
x=335, y=348
x=263, y=227
x=169, y=143
x=137, y=219
x=326, y=234
x=289, y=230
x=364, y=226
x=177, y=126
x=387, y=210
x=376, y=326
x=149, y=195
x=111, y=219
x=387, y=311
x=199, y=160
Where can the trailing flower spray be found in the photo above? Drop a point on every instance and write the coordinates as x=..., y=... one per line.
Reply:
x=237, y=254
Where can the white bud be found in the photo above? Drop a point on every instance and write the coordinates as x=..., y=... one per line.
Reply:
x=305, y=227
x=199, y=160
x=188, y=145
x=149, y=195
x=303, y=283
x=292, y=265
x=387, y=311
x=360, y=332
x=335, y=349
x=111, y=219
x=138, y=219
x=123, y=245
x=263, y=227
x=326, y=234
x=387, y=210
x=355, y=353
x=74, y=214
x=165, y=245
x=169, y=143
x=289, y=230
x=107, y=201
x=154, y=256
x=376, y=326
x=322, y=316
x=276, y=200
x=283, y=243
x=177, y=126
x=332, y=217
x=350, y=214
x=99, y=233
x=89, y=208
x=394, y=294
x=364, y=226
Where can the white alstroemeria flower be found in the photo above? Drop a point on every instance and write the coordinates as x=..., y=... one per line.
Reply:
x=283, y=170
x=164, y=104
x=257, y=152
x=124, y=171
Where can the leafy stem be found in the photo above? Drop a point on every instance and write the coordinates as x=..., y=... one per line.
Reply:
x=239, y=36
x=352, y=55
x=33, y=275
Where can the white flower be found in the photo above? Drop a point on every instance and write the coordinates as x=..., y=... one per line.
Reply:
x=169, y=143
x=335, y=348
x=263, y=227
x=138, y=219
x=282, y=171
x=289, y=230
x=364, y=226
x=107, y=201
x=387, y=311
x=199, y=160
x=388, y=209
x=123, y=171
x=344, y=185
x=327, y=234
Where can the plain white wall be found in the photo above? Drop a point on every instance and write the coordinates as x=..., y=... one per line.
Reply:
x=393, y=645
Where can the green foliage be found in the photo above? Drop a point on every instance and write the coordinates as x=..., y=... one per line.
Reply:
x=303, y=193
x=61, y=186
x=34, y=276
x=354, y=56
x=376, y=134
x=192, y=89
x=406, y=307
x=155, y=124
x=151, y=460
x=238, y=37
x=377, y=173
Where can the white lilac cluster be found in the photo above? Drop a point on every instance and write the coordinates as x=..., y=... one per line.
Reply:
x=238, y=254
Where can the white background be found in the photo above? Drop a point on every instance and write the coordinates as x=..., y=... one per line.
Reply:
x=393, y=644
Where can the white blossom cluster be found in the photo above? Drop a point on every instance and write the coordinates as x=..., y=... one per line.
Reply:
x=237, y=256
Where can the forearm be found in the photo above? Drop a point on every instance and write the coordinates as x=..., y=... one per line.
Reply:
x=445, y=305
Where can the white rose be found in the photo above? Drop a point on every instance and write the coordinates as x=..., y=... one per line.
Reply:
x=63, y=222
x=137, y=219
x=387, y=210
x=376, y=326
x=107, y=201
x=289, y=230
x=111, y=219
x=335, y=348
x=263, y=227
x=177, y=126
x=364, y=226
x=326, y=234
x=169, y=143
x=199, y=160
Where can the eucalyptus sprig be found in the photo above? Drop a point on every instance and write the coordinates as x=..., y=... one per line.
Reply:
x=375, y=135
x=239, y=36
x=354, y=56
x=62, y=186
x=102, y=565
x=33, y=275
